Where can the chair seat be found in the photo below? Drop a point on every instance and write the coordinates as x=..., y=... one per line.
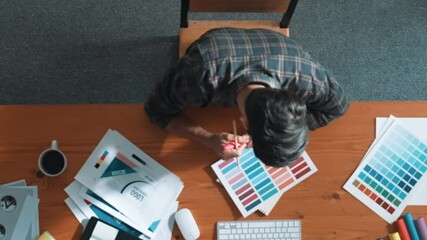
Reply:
x=197, y=28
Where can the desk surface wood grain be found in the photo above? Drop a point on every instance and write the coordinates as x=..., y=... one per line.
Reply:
x=327, y=211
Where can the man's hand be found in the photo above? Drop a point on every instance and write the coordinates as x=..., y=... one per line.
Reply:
x=183, y=126
x=224, y=146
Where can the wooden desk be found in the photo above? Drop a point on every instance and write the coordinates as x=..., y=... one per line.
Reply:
x=326, y=210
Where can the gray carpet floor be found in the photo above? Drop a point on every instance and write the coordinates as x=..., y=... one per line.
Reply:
x=93, y=51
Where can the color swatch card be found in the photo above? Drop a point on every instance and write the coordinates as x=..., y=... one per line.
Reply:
x=251, y=183
x=391, y=172
x=418, y=125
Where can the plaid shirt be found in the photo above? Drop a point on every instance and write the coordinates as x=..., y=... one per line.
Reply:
x=222, y=61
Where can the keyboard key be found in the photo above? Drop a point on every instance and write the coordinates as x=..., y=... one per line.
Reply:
x=262, y=224
x=294, y=234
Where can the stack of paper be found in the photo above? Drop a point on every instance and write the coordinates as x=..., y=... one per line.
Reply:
x=19, y=214
x=254, y=186
x=123, y=186
x=392, y=170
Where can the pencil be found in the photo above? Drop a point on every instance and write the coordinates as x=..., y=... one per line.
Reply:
x=235, y=133
x=235, y=140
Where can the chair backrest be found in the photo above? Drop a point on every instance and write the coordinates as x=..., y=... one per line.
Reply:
x=238, y=5
x=287, y=7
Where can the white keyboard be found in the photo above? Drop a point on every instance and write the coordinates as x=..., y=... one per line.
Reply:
x=259, y=229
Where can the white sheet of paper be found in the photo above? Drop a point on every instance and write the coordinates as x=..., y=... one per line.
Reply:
x=35, y=228
x=418, y=125
x=163, y=231
x=18, y=211
x=77, y=212
x=390, y=173
x=268, y=205
x=73, y=192
x=90, y=210
x=141, y=191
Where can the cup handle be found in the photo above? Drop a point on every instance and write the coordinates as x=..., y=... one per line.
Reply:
x=54, y=144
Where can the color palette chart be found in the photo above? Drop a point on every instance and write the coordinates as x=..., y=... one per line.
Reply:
x=391, y=172
x=250, y=183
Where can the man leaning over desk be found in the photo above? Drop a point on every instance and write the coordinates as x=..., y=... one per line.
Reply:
x=280, y=90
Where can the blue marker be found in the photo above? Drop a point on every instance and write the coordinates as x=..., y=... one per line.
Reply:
x=409, y=221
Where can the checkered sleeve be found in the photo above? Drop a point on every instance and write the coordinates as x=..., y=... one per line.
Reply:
x=181, y=87
x=328, y=103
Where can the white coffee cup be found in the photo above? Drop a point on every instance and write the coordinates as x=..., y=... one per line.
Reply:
x=52, y=162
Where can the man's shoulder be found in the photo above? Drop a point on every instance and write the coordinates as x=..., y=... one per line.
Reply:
x=231, y=30
x=222, y=43
x=226, y=34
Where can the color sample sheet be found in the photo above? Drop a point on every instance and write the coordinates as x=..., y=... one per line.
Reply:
x=391, y=171
x=418, y=125
x=250, y=183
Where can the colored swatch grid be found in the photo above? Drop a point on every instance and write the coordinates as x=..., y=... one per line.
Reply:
x=250, y=183
x=390, y=172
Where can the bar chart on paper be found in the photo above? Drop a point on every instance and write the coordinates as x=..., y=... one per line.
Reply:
x=252, y=183
x=391, y=172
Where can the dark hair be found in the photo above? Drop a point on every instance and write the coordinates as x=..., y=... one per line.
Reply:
x=277, y=124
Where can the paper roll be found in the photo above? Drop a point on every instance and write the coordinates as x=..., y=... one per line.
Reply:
x=420, y=224
x=403, y=230
x=409, y=221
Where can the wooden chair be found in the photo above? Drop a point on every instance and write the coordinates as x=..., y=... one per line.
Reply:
x=193, y=29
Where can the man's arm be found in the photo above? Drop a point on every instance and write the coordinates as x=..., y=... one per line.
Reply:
x=182, y=87
x=181, y=125
x=330, y=102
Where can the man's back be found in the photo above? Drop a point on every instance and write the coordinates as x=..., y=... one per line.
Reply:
x=233, y=42
x=224, y=60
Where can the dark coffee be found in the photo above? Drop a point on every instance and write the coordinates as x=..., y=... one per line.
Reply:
x=52, y=162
